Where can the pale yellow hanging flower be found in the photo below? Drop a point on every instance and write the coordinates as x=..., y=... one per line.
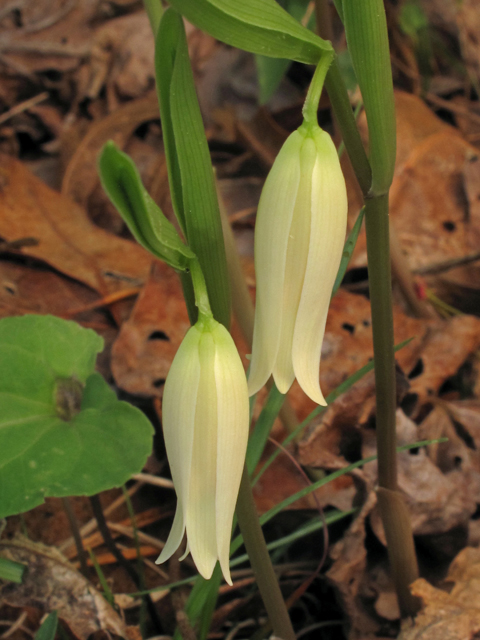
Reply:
x=299, y=239
x=205, y=424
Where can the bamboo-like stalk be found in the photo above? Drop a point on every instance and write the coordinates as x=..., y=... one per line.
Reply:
x=367, y=39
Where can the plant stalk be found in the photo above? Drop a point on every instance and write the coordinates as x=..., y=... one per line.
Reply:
x=260, y=560
x=394, y=514
x=379, y=279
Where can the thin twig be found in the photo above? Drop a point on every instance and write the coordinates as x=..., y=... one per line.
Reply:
x=110, y=543
x=23, y=106
x=446, y=265
x=82, y=554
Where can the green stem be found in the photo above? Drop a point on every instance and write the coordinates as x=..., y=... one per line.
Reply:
x=342, y=108
x=380, y=285
x=394, y=514
x=310, y=108
x=260, y=561
x=200, y=290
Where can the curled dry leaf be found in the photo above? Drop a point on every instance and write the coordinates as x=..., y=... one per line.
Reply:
x=51, y=583
x=67, y=240
x=348, y=574
x=149, y=339
x=437, y=502
x=81, y=174
x=453, y=614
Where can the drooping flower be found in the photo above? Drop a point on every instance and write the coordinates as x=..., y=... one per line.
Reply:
x=205, y=424
x=299, y=239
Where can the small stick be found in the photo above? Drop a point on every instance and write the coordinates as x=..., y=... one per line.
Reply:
x=82, y=555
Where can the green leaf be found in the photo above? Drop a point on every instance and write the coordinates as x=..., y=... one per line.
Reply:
x=62, y=430
x=48, y=628
x=189, y=166
x=11, y=571
x=339, y=7
x=263, y=426
x=348, y=250
x=144, y=218
x=271, y=70
x=259, y=26
x=367, y=40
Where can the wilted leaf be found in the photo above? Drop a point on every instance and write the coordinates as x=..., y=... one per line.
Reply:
x=67, y=240
x=51, y=583
x=452, y=614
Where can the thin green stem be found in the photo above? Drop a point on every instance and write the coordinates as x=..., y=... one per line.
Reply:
x=200, y=290
x=260, y=561
x=342, y=108
x=310, y=108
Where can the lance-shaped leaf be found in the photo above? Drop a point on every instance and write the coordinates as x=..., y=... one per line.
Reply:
x=143, y=217
x=271, y=70
x=189, y=165
x=367, y=39
x=259, y=26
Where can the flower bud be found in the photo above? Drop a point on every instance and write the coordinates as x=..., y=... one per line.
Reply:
x=299, y=239
x=205, y=424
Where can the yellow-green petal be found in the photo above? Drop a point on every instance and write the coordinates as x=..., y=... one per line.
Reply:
x=178, y=416
x=274, y=218
x=328, y=225
x=232, y=437
x=295, y=266
x=200, y=506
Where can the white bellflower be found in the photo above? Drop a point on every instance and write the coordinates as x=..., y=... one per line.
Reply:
x=205, y=424
x=299, y=239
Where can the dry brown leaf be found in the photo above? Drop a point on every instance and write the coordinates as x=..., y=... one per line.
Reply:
x=67, y=240
x=81, y=174
x=430, y=207
x=437, y=502
x=149, y=339
x=453, y=615
x=51, y=583
x=348, y=574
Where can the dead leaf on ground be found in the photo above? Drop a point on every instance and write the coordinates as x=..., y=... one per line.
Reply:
x=51, y=583
x=453, y=614
x=347, y=574
x=67, y=240
x=149, y=339
x=81, y=173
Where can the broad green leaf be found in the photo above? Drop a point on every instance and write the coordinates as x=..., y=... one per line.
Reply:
x=11, y=571
x=188, y=161
x=259, y=26
x=62, y=430
x=48, y=628
x=144, y=218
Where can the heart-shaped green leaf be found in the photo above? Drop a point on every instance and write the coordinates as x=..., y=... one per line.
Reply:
x=62, y=430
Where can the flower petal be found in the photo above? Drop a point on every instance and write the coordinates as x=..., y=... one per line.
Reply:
x=329, y=219
x=178, y=416
x=274, y=218
x=200, y=508
x=232, y=437
x=295, y=266
x=175, y=536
